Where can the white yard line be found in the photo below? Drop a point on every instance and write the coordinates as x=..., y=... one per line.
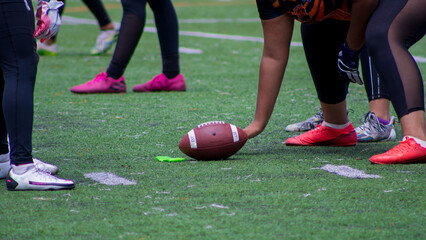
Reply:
x=66, y=20
x=74, y=21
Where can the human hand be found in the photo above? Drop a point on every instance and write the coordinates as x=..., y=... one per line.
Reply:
x=48, y=20
x=347, y=64
x=253, y=130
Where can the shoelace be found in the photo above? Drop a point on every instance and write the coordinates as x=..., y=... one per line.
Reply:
x=155, y=79
x=43, y=175
x=101, y=41
x=101, y=76
x=403, y=147
x=41, y=168
x=370, y=119
x=309, y=122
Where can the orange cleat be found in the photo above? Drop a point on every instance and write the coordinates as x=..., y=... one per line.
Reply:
x=325, y=136
x=408, y=151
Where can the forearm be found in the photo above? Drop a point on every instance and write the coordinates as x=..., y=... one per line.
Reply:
x=270, y=79
x=277, y=34
x=360, y=14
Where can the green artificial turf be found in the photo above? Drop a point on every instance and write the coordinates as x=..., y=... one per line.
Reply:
x=266, y=191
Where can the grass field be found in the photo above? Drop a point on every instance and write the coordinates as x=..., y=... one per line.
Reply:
x=266, y=191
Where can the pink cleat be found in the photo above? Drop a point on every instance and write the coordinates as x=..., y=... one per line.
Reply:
x=162, y=83
x=101, y=84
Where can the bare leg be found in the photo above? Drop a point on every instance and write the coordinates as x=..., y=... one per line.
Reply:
x=381, y=108
x=335, y=113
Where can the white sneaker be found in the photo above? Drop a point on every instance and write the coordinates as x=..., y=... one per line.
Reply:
x=32, y=178
x=308, y=124
x=372, y=130
x=106, y=39
x=44, y=49
x=45, y=167
x=4, y=165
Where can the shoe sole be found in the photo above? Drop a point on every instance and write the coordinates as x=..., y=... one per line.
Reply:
x=98, y=92
x=391, y=137
x=161, y=91
x=410, y=161
x=12, y=185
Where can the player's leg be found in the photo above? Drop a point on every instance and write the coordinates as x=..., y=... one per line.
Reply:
x=167, y=29
x=108, y=34
x=391, y=26
x=131, y=29
x=18, y=61
x=321, y=43
x=377, y=124
x=4, y=144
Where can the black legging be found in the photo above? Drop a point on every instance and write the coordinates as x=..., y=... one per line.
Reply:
x=374, y=87
x=321, y=42
x=393, y=27
x=18, y=68
x=132, y=25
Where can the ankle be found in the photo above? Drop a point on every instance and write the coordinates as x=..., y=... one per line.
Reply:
x=22, y=168
x=109, y=26
x=335, y=126
x=417, y=140
x=383, y=121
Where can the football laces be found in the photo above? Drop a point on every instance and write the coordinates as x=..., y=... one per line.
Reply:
x=211, y=123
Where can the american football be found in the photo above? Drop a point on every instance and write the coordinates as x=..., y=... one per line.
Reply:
x=213, y=141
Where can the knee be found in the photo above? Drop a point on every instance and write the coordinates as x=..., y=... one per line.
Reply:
x=375, y=36
x=137, y=8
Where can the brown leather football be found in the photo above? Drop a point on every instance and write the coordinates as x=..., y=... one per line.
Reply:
x=213, y=141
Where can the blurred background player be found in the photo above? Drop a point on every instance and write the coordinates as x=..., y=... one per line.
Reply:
x=377, y=125
x=18, y=69
x=106, y=38
x=131, y=29
x=330, y=31
x=392, y=29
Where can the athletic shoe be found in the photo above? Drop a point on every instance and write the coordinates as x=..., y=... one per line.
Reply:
x=407, y=151
x=106, y=39
x=162, y=83
x=325, y=136
x=101, y=84
x=4, y=165
x=372, y=130
x=45, y=167
x=44, y=49
x=306, y=125
x=35, y=179
x=42, y=166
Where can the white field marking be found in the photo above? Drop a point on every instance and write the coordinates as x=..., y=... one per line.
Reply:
x=347, y=171
x=108, y=178
x=190, y=50
x=420, y=59
x=44, y=199
x=66, y=20
x=218, y=206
